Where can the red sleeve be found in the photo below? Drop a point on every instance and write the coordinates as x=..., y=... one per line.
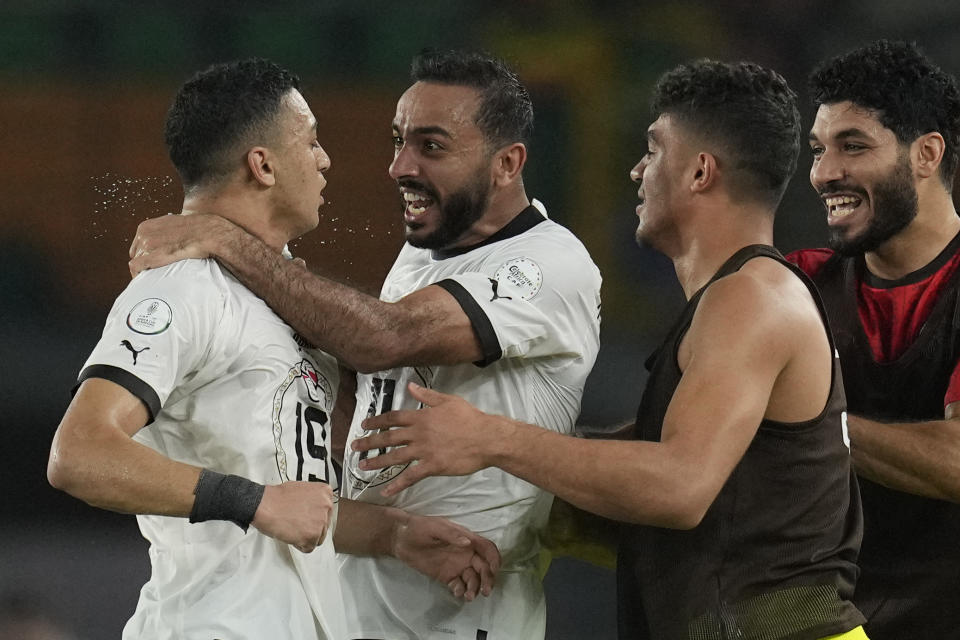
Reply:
x=809, y=260
x=953, y=389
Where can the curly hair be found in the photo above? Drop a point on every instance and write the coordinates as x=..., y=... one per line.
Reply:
x=505, y=113
x=218, y=110
x=909, y=94
x=747, y=111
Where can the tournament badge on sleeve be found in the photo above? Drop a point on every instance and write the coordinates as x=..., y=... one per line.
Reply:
x=150, y=317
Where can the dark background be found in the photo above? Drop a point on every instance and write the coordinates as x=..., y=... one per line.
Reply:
x=83, y=91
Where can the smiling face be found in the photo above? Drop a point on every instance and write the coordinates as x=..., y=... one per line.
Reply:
x=863, y=175
x=441, y=163
x=659, y=173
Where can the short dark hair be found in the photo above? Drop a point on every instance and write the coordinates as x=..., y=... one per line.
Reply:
x=910, y=95
x=748, y=111
x=505, y=113
x=218, y=109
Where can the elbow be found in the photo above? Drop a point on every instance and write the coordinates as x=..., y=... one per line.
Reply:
x=60, y=474
x=684, y=511
x=65, y=470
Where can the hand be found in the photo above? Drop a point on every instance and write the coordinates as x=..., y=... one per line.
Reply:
x=447, y=437
x=161, y=241
x=297, y=513
x=447, y=553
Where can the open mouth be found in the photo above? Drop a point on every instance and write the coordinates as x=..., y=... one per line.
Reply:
x=839, y=206
x=416, y=202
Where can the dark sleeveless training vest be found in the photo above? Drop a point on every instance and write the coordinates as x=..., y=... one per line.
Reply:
x=909, y=585
x=774, y=556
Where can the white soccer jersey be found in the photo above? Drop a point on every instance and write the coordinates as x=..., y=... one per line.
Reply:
x=229, y=388
x=532, y=294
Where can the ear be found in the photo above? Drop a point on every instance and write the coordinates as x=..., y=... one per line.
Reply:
x=508, y=163
x=705, y=173
x=260, y=163
x=927, y=154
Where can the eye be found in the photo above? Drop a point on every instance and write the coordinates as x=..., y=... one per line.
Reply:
x=397, y=142
x=853, y=147
x=431, y=145
x=816, y=150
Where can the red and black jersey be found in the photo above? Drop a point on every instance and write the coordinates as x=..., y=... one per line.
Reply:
x=899, y=344
x=775, y=554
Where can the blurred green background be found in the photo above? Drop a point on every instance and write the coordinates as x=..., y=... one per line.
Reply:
x=84, y=87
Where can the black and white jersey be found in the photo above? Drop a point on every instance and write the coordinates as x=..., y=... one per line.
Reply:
x=229, y=387
x=532, y=293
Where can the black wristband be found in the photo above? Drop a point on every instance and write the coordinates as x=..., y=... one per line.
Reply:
x=223, y=497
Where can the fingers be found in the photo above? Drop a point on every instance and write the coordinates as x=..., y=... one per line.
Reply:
x=381, y=440
x=428, y=397
x=471, y=581
x=457, y=587
x=399, y=455
x=410, y=476
x=390, y=419
x=486, y=572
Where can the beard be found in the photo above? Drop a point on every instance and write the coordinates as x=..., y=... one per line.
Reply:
x=458, y=211
x=894, y=207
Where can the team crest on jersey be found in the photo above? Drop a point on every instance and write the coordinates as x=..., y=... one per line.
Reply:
x=150, y=317
x=518, y=278
x=301, y=424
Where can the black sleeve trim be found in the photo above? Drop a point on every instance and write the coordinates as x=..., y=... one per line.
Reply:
x=482, y=326
x=128, y=381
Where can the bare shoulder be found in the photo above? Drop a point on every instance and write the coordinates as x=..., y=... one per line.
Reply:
x=762, y=308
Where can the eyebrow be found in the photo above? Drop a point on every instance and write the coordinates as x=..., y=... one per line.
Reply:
x=852, y=132
x=427, y=131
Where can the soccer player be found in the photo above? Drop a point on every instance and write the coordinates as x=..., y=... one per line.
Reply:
x=488, y=299
x=884, y=145
x=200, y=402
x=741, y=506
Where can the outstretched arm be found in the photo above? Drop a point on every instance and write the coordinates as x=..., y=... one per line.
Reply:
x=710, y=421
x=94, y=458
x=922, y=458
x=426, y=327
x=462, y=560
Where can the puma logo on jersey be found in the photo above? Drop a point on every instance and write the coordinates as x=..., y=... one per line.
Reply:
x=135, y=352
x=497, y=296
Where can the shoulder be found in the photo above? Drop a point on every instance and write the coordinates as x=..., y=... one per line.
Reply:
x=189, y=285
x=810, y=260
x=762, y=302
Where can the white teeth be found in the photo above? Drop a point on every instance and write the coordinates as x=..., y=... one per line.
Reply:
x=416, y=210
x=838, y=200
x=839, y=206
x=409, y=196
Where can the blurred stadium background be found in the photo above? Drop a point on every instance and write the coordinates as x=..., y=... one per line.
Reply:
x=84, y=86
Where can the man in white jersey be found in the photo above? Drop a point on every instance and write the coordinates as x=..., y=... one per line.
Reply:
x=488, y=299
x=199, y=401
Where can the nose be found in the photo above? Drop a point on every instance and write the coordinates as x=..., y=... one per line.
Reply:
x=636, y=174
x=404, y=163
x=323, y=160
x=827, y=167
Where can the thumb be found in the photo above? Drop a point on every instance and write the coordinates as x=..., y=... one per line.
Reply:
x=300, y=262
x=428, y=397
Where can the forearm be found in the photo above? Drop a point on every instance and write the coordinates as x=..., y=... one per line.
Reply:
x=112, y=472
x=637, y=482
x=367, y=529
x=362, y=331
x=920, y=458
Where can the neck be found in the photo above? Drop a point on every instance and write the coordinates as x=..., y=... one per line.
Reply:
x=713, y=237
x=247, y=210
x=921, y=241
